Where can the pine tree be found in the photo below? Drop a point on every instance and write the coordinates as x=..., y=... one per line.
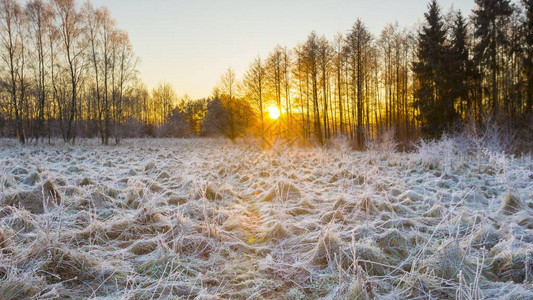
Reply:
x=490, y=18
x=430, y=72
x=461, y=68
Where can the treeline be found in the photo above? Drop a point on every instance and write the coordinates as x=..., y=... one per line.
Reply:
x=421, y=82
x=67, y=71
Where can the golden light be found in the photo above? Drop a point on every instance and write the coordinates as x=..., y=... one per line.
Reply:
x=273, y=112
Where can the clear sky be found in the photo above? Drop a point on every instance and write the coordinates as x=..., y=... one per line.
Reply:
x=191, y=43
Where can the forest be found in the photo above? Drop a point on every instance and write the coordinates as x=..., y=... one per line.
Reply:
x=68, y=71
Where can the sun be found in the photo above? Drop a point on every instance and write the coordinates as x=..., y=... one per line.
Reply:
x=273, y=112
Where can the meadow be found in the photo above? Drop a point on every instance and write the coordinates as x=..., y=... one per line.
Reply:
x=212, y=219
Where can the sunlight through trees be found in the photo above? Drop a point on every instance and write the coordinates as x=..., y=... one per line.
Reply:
x=68, y=71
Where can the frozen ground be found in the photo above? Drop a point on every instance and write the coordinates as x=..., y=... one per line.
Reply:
x=207, y=219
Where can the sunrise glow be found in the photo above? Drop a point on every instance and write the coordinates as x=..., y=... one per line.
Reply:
x=274, y=113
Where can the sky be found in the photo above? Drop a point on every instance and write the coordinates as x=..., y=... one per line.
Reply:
x=190, y=44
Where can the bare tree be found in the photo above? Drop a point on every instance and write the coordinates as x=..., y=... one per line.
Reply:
x=311, y=51
x=358, y=41
x=12, y=55
x=39, y=16
x=73, y=44
x=254, y=82
x=125, y=67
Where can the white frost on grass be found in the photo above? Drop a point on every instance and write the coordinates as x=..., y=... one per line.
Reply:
x=208, y=219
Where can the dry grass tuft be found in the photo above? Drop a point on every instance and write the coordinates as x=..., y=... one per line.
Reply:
x=34, y=201
x=16, y=285
x=511, y=261
x=283, y=191
x=511, y=204
x=448, y=262
x=328, y=247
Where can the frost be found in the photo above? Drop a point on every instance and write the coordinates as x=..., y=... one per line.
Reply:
x=209, y=219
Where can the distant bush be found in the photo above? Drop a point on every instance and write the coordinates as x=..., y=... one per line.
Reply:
x=177, y=126
x=227, y=117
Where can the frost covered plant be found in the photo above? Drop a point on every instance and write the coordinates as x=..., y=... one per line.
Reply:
x=510, y=176
x=434, y=154
x=388, y=141
x=499, y=162
x=381, y=147
x=342, y=145
x=372, y=147
x=447, y=147
x=428, y=154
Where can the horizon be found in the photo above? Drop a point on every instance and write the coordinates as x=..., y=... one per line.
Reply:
x=191, y=44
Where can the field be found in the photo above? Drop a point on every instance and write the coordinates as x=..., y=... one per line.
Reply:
x=209, y=219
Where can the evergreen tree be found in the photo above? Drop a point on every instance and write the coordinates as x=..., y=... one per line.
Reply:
x=461, y=68
x=431, y=95
x=490, y=18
